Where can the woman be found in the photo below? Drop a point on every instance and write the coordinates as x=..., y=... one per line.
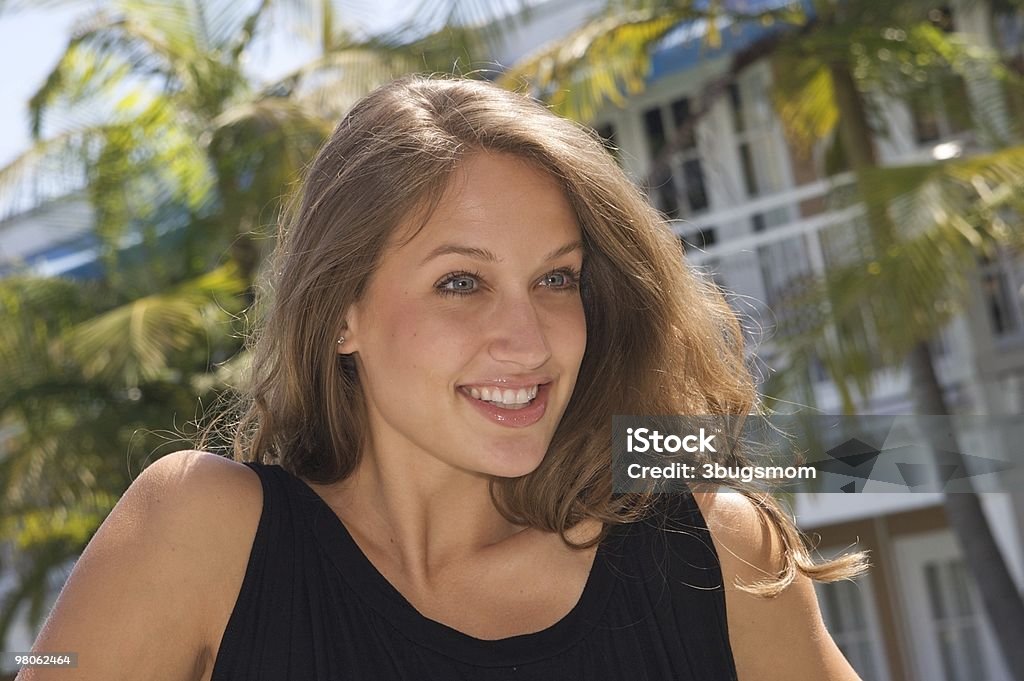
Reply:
x=469, y=289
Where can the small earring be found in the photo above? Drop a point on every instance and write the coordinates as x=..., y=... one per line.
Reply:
x=341, y=340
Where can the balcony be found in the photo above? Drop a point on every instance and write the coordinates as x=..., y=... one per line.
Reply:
x=764, y=251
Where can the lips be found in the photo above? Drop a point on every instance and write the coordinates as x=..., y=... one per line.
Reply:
x=512, y=418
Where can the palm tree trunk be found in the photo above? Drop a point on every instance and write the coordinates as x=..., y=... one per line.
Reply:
x=1001, y=599
x=963, y=509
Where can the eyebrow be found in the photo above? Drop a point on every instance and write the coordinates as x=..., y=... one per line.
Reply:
x=486, y=255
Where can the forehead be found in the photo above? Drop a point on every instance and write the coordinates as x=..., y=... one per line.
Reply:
x=494, y=201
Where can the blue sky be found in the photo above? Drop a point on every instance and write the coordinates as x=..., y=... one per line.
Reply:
x=31, y=42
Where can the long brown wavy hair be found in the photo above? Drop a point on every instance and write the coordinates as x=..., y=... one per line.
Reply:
x=661, y=339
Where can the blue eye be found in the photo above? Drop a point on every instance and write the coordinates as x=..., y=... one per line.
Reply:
x=561, y=279
x=458, y=284
x=565, y=280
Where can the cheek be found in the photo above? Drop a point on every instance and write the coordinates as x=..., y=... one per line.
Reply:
x=572, y=330
x=417, y=336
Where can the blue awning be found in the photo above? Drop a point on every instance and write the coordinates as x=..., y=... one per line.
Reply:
x=683, y=47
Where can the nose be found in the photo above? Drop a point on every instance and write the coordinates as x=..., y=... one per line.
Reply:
x=518, y=334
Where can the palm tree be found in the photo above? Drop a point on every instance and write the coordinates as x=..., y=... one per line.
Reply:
x=150, y=115
x=913, y=280
x=144, y=116
x=79, y=419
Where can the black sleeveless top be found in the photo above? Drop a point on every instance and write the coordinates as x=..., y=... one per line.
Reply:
x=312, y=607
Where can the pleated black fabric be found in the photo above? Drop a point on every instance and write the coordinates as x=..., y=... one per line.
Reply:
x=313, y=608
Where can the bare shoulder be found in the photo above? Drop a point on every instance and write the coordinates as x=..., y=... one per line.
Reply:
x=749, y=544
x=147, y=594
x=750, y=550
x=221, y=502
x=214, y=499
x=199, y=482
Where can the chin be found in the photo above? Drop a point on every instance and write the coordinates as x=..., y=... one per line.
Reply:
x=514, y=464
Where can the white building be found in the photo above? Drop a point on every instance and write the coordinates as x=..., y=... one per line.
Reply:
x=54, y=239
x=754, y=215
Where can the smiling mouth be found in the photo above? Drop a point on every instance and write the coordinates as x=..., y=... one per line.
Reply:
x=512, y=409
x=504, y=398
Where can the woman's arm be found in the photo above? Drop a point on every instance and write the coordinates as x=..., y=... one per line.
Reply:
x=140, y=600
x=778, y=639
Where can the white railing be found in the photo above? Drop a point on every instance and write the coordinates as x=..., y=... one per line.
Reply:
x=762, y=269
x=767, y=203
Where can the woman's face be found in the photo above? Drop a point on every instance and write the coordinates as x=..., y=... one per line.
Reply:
x=483, y=303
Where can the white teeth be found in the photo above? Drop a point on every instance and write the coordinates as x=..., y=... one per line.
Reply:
x=505, y=397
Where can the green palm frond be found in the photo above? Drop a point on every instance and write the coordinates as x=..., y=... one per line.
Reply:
x=231, y=374
x=75, y=525
x=197, y=26
x=904, y=63
x=38, y=310
x=130, y=166
x=49, y=170
x=489, y=19
x=137, y=342
x=144, y=163
x=804, y=101
x=596, y=64
x=867, y=313
x=104, y=51
x=226, y=26
x=980, y=196
x=874, y=307
x=609, y=57
x=259, y=149
x=454, y=49
x=186, y=48
x=274, y=120
x=332, y=83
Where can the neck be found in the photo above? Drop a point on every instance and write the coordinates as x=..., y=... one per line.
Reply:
x=419, y=512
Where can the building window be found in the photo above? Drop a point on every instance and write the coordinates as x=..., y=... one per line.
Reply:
x=955, y=620
x=747, y=136
x=654, y=129
x=678, y=185
x=693, y=179
x=1002, y=288
x=846, y=610
x=681, y=117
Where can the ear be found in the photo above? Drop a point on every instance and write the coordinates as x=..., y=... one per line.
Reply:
x=348, y=331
